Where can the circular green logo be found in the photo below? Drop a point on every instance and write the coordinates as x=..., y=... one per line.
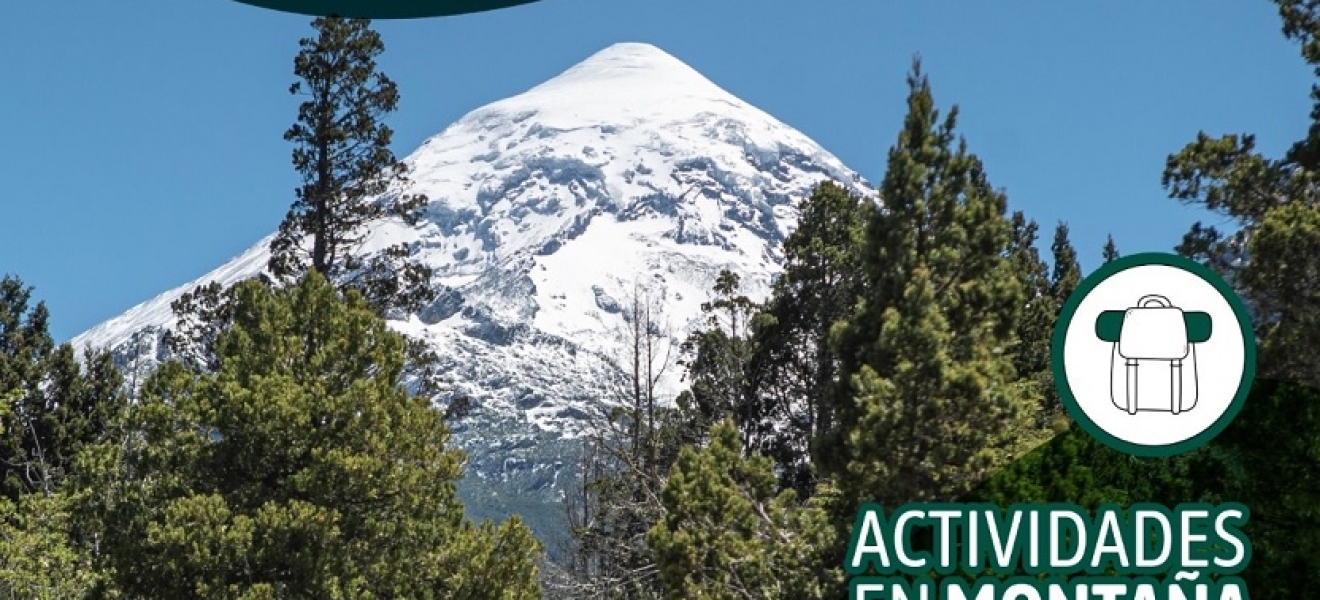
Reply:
x=1153, y=354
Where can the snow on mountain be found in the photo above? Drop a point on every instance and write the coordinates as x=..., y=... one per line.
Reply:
x=548, y=211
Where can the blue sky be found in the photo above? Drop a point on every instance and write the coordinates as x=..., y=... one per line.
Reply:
x=141, y=141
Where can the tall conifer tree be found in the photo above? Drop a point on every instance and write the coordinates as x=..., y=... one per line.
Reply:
x=1067, y=273
x=1111, y=250
x=930, y=398
x=53, y=405
x=1036, y=324
x=351, y=178
x=794, y=366
x=1272, y=253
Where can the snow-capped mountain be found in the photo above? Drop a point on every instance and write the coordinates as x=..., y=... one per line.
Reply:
x=628, y=173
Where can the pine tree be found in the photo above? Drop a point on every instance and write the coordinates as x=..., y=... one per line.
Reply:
x=342, y=153
x=1269, y=198
x=1285, y=511
x=1111, y=250
x=1284, y=281
x=719, y=358
x=25, y=351
x=730, y=533
x=1035, y=326
x=930, y=398
x=1064, y=278
x=793, y=366
x=299, y=468
x=37, y=558
x=51, y=408
x=1075, y=468
x=1067, y=273
x=54, y=405
x=351, y=181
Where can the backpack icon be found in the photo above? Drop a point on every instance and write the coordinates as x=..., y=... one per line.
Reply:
x=1153, y=334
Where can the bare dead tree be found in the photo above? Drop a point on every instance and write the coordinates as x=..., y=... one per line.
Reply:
x=624, y=462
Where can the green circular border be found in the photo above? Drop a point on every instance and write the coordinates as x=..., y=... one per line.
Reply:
x=1143, y=260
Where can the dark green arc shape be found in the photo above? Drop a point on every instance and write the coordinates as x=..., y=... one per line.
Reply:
x=385, y=9
x=1109, y=325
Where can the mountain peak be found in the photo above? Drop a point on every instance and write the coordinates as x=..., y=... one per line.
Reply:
x=628, y=79
x=630, y=59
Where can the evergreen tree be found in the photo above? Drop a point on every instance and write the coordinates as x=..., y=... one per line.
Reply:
x=1269, y=201
x=51, y=408
x=201, y=315
x=1284, y=281
x=1075, y=468
x=719, y=358
x=298, y=469
x=1067, y=273
x=729, y=532
x=1111, y=250
x=54, y=405
x=350, y=176
x=793, y=365
x=930, y=398
x=37, y=561
x=1035, y=326
x=350, y=181
x=1285, y=509
x=1064, y=278
x=25, y=351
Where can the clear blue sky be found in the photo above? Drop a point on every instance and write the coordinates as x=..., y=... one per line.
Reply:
x=141, y=142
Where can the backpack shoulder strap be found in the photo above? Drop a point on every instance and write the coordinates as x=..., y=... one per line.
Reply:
x=1132, y=369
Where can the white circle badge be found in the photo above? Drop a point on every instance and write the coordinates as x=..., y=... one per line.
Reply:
x=1153, y=354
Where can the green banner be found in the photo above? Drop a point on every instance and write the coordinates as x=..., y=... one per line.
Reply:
x=385, y=9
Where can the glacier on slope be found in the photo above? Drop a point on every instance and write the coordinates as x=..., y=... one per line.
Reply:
x=548, y=211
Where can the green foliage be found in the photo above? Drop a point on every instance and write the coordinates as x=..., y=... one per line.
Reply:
x=25, y=353
x=930, y=399
x=37, y=560
x=1276, y=480
x=1279, y=480
x=51, y=407
x=1111, y=250
x=1285, y=282
x=793, y=365
x=1064, y=279
x=1271, y=203
x=1074, y=467
x=728, y=532
x=342, y=151
x=351, y=181
x=718, y=364
x=1274, y=204
x=1067, y=273
x=54, y=406
x=1036, y=323
x=202, y=314
x=298, y=469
